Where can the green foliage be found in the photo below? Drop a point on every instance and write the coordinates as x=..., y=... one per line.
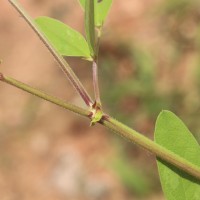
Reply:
x=65, y=40
x=101, y=10
x=89, y=25
x=172, y=134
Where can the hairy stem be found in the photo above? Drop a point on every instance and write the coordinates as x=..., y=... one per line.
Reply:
x=62, y=63
x=118, y=128
x=44, y=96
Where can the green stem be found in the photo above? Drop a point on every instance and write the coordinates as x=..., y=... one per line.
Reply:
x=149, y=145
x=62, y=63
x=44, y=96
x=89, y=26
x=117, y=127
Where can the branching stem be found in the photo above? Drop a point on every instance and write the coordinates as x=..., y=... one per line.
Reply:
x=62, y=63
x=44, y=96
x=123, y=130
x=118, y=128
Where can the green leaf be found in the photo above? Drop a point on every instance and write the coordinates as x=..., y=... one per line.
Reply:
x=101, y=10
x=89, y=25
x=171, y=133
x=65, y=40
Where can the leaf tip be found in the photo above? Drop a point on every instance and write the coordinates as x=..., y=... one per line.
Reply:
x=160, y=117
x=165, y=112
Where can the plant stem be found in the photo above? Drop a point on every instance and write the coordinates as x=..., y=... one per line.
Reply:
x=95, y=69
x=62, y=63
x=117, y=127
x=44, y=96
x=149, y=145
x=90, y=26
x=96, y=83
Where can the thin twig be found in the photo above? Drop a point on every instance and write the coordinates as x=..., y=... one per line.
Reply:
x=62, y=63
x=96, y=83
x=44, y=96
x=95, y=68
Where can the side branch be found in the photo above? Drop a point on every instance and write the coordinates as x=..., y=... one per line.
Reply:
x=117, y=127
x=44, y=96
x=62, y=63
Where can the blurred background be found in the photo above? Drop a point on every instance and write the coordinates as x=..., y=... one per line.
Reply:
x=149, y=61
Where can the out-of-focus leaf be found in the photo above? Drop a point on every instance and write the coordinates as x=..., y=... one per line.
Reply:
x=101, y=10
x=65, y=40
x=172, y=134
